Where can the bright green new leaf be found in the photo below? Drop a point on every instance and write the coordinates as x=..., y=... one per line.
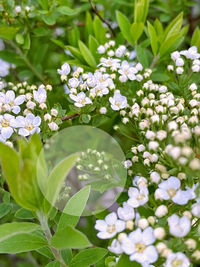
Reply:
x=153, y=38
x=19, y=38
x=56, y=179
x=53, y=264
x=76, y=53
x=99, y=30
x=136, y=30
x=65, y=10
x=88, y=257
x=196, y=38
x=174, y=27
x=125, y=26
x=93, y=45
x=74, y=208
x=168, y=45
x=20, y=237
x=69, y=238
x=87, y=54
x=4, y=209
x=7, y=32
x=140, y=10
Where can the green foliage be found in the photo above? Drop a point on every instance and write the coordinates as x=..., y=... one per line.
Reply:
x=69, y=237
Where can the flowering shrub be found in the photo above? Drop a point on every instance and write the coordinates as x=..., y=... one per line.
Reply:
x=135, y=79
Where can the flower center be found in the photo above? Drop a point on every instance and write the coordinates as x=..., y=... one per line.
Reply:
x=140, y=197
x=102, y=79
x=109, y=62
x=126, y=72
x=12, y=103
x=117, y=103
x=83, y=101
x=5, y=123
x=111, y=229
x=140, y=247
x=29, y=127
x=177, y=263
x=171, y=192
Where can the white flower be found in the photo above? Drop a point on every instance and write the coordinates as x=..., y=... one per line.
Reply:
x=127, y=164
x=115, y=247
x=28, y=125
x=126, y=212
x=80, y=99
x=177, y=260
x=191, y=53
x=18, y=9
x=139, y=246
x=7, y=123
x=53, y=126
x=110, y=62
x=127, y=71
x=138, y=197
x=159, y=233
x=47, y=117
x=99, y=90
x=110, y=226
x=40, y=95
x=118, y=101
x=155, y=177
x=54, y=112
x=170, y=189
x=179, y=227
x=73, y=82
x=120, y=51
x=13, y=102
x=65, y=69
x=196, y=209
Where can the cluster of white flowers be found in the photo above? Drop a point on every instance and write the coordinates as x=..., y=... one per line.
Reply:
x=4, y=66
x=166, y=125
x=86, y=88
x=23, y=109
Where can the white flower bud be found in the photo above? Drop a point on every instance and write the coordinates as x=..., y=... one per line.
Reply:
x=53, y=126
x=161, y=211
x=143, y=223
x=54, y=112
x=155, y=177
x=103, y=110
x=191, y=244
x=159, y=233
x=47, y=117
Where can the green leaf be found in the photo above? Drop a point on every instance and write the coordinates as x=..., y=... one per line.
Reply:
x=7, y=32
x=20, y=172
x=20, y=237
x=125, y=26
x=57, y=177
x=99, y=30
x=74, y=208
x=159, y=77
x=27, y=42
x=75, y=52
x=53, y=264
x=69, y=238
x=174, y=27
x=141, y=10
x=88, y=257
x=24, y=214
x=93, y=45
x=142, y=56
x=49, y=19
x=196, y=38
x=168, y=45
x=136, y=30
x=19, y=38
x=89, y=25
x=159, y=28
x=65, y=10
x=87, y=54
x=4, y=209
x=125, y=261
x=153, y=38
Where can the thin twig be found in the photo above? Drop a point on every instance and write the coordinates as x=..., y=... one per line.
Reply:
x=70, y=117
x=101, y=18
x=28, y=63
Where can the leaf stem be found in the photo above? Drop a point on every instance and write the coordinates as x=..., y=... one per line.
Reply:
x=45, y=227
x=28, y=63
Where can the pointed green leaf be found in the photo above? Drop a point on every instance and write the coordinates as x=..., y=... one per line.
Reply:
x=153, y=38
x=125, y=26
x=88, y=257
x=69, y=238
x=136, y=30
x=74, y=208
x=87, y=54
x=20, y=237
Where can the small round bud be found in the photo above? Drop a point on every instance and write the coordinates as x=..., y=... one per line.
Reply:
x=161, y=211
x=143, y=223
x=159, y=233
x=191, y=244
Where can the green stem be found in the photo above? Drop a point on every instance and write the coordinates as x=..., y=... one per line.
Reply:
x=28, y=63
x=45, y=227
x=154, y=61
